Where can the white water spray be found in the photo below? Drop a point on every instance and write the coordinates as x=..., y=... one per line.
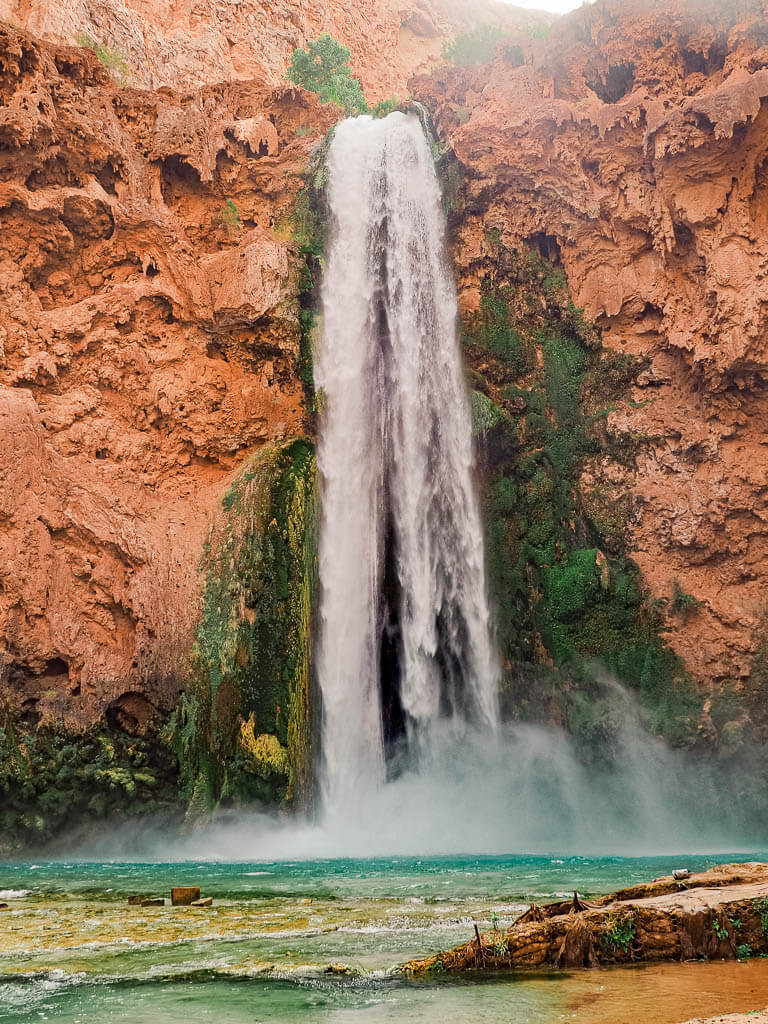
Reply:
x=401, y=551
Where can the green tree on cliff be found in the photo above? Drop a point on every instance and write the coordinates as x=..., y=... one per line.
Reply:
x=323, y=68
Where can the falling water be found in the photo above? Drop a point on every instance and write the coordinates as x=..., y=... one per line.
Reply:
x=404, y=642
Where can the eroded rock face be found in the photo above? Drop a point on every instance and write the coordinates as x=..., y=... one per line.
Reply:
x=632, y=147
x=187, y=44
x=148, y=320
x=148, y=342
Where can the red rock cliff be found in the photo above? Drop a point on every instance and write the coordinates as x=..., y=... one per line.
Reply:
x=632, y=146
x=148, y=334
x=148, y=340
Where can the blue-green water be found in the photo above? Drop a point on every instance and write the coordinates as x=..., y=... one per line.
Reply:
x=72, y=949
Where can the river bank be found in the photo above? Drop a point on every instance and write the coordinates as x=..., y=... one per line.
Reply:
x=322, y=939
x=719, y=914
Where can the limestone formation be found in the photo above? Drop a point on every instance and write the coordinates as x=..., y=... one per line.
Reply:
x=631, y=146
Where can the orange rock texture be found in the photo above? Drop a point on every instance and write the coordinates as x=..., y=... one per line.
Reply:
x=148, y=341
x=188, y=43
x=632, y=147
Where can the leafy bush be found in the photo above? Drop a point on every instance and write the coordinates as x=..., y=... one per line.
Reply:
x=323, y=68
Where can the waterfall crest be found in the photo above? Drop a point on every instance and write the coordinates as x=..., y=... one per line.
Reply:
x=404, y=642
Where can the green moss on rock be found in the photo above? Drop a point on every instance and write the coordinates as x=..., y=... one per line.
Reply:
x=53, y=781
x=565, y=591
x=251, y=657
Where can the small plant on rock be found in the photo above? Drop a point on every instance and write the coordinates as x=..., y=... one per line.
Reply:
x=111, y=60
x=499, y=943
x=761, y=906
x=682, y=603
x=619, y=934
x=229, y=215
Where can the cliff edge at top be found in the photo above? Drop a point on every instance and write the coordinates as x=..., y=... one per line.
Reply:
x=185, y=44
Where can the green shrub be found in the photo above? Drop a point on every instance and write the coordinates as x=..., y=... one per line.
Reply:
x=323, y=68
x=229, y=215
x=683, y=604
x=619, y=933
x=385, y=107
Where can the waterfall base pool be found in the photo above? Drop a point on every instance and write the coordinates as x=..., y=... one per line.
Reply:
x=319, y=940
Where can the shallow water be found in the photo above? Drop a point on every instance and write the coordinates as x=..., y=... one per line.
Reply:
x=71, y=949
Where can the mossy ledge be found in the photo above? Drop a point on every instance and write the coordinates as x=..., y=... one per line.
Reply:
x=242, y=730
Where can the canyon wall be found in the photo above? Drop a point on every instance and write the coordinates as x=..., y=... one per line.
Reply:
x=631, y=147
x=186, y=44
x=148, y=342
x=154, y=312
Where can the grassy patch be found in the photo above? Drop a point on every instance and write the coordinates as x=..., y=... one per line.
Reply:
x=113, y=61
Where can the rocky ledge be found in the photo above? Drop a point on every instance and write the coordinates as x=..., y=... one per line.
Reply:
x=721, y=914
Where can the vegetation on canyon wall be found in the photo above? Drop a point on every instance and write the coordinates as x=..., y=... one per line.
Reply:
x=53, y=780
x=570, y=604
x=242, y=730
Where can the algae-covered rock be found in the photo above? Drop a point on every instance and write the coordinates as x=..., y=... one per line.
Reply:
x=242, y=730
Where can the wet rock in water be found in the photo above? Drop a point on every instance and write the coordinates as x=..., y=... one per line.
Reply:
x=338, y=969
x=4, y=906
x=206, y=901
x=184, y=895
x=717, y=915
x=153, y=902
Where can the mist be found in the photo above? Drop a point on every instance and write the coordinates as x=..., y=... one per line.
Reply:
x=524, y=790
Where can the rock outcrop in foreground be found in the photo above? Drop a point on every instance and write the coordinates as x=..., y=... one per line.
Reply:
x=718, y=915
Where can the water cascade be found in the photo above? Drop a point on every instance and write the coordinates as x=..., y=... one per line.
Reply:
x=404, y=647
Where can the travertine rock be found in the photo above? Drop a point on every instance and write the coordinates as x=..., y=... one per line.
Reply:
x=188, y=43
x=716, y=915
x=632, y=145
x=149, y=343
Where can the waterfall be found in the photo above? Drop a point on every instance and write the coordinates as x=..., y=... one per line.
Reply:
x=404, y=642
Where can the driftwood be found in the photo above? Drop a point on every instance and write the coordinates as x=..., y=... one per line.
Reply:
x=721, y=914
